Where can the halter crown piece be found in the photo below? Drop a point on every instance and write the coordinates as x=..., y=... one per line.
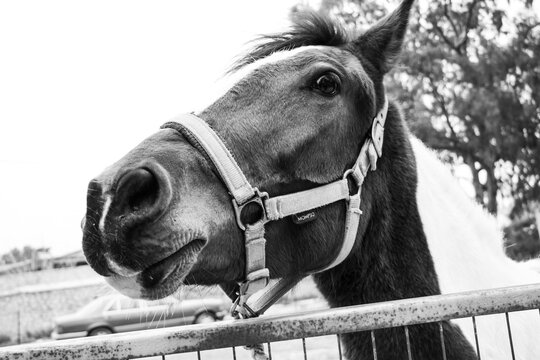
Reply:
x=200, y=135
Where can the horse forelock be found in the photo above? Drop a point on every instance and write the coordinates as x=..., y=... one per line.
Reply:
x=307, y=29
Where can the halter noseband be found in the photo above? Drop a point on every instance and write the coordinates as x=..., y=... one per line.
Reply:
x=201, y=136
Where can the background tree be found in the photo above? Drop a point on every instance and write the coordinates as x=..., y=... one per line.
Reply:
x=521, y=240
x=16, y=255
x=470, y=87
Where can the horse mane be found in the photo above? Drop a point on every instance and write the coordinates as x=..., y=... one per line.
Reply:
x=307, y=28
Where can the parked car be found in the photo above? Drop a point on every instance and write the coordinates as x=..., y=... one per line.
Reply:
x=117, y=313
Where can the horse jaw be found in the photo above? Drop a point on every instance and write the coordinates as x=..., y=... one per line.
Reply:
x=467, y=251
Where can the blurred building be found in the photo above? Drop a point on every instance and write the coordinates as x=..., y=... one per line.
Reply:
x=42, y=259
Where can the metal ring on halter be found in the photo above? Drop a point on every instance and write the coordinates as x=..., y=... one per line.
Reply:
x=350, y=175
x=257, y=199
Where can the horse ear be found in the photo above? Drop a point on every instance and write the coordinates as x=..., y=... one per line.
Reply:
x=381, y=44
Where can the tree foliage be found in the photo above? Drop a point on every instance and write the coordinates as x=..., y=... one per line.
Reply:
x=521, y=240
x=16, y=255
x=470, y=87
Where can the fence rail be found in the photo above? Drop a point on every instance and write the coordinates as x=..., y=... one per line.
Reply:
x=277, y=328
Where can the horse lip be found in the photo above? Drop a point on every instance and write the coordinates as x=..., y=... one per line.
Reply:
x=119, y=270
x=158, y=272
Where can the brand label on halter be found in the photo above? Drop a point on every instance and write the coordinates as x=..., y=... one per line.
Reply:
x=303, y=218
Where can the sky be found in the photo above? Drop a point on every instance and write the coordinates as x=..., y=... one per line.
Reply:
x=81, y=83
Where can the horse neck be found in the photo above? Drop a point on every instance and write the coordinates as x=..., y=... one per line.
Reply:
x=393, y=260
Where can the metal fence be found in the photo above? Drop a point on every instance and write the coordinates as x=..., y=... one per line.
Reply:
x=230, y=336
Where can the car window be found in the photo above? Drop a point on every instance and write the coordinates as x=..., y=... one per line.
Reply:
x=122, y=303
x=127, y=303
x=97, y=306
x=165, y=301
x=113, y=305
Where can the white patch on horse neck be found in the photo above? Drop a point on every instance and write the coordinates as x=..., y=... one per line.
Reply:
x=108, y=201
x=223, y=85
x=467, y=250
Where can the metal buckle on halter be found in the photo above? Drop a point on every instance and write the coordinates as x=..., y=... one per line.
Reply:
x=377, y=134
x=357, y=176
x=353, y=203
x=258, y=199
x=242, y=311
x=255, y=282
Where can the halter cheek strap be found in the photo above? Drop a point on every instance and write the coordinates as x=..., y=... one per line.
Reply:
x=203, y=137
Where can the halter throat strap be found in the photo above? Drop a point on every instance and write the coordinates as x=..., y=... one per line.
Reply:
x=206, y=140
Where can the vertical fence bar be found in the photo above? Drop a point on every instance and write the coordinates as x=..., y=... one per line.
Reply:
x=510, y=336
x=476, y=338
x=304, y=347
x=269, y=352
x=443, y=348
x=339, y=346
x=19, y=340
x=233, y=353
x=198, y=355
x=162, y=357
x=407, y=338
x=373, y=345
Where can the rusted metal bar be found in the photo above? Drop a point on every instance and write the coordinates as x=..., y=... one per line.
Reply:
x=285, y=327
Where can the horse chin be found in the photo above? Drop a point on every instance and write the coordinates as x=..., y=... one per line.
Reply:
x=162, y=278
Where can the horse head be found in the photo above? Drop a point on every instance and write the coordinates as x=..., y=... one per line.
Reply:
x=295, y=119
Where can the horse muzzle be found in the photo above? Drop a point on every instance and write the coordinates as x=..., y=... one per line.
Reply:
x=123, y=204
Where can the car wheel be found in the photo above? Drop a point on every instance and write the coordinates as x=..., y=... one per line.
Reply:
x=100, y=331
x=204, y=318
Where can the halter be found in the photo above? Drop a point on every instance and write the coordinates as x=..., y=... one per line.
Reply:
x=256, y=281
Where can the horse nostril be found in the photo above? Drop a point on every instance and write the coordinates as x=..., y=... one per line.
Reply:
x=141, y=196
x=137, y=190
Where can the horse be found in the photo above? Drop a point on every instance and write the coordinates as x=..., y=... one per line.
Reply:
x=301, y=106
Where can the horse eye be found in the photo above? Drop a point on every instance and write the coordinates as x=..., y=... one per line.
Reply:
x=327, y=84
